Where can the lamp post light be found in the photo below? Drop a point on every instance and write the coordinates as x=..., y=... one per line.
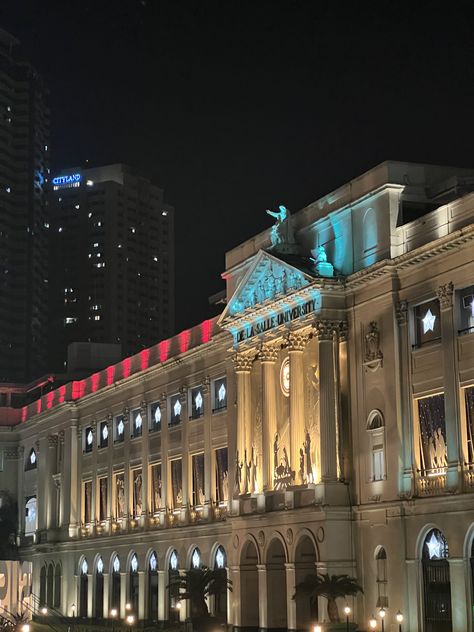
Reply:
x=44, y=610
x=382, y=614
x=73, y=609
x=372, y=622
x=130, y=620
x=25, y=627
x=128, y=606
x=347, y=612
x=399, y=618
x=317, y=628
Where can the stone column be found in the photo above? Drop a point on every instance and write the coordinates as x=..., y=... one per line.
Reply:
x=296, y=345
x=325, y=333
x=123, y=594
x=145, y=468
x=208, y=455
x=445, y=295
x=404, y=399
x=90, y=595
x=234, y=613
x=243, y=367
x=459, y=604
x=141, y=595
x=162, y=601
x=262, y=597
x=42, y=495
x=50, y=489
x=183, y=392
x=126, y=477
x=164, y=452
x=21, y=498
x=268, y=356
x=290, y=591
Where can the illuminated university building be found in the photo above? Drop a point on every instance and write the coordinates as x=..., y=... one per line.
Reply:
x=24, y=159
x=112, y=261
x=324, y=421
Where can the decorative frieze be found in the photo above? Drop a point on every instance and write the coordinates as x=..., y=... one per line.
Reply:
x=445, y=295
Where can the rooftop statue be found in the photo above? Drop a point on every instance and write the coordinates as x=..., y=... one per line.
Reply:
x=282, y=235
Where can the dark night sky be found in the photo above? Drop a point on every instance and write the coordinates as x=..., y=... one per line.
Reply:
x=235, y=106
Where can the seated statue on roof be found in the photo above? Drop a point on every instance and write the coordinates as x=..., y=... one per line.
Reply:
x=282, y=235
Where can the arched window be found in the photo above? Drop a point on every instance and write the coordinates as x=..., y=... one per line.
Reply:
x=83, y=588
x=42, y=595
x=99, y=589
x=153, y=587
x=220, y=598
x=436, y=583
x=173, y=590
x=115, y=591
x=30, y=515
x=375, y=428
x=50, y=586
x=196, y=559
x=134, y=586
x=382, y=578
x=57, y=586
x=31, y=461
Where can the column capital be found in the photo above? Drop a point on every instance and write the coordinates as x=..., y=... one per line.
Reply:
x=52, y=441
x=267, y=352
x=206, y=383
x=325, y=329
x=445, y=295
x=126, y=411
x=401, y=312
x=296, y=341
x=242, y=362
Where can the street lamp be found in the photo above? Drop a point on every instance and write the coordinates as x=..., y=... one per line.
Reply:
x=347, y=612
x=372, y=622
x=128, y=606
x=25, y=627
x=130, y=620
x=44, y=610
x=113, y=615
x=382, y=614
x=317, y=628
x=399, y=618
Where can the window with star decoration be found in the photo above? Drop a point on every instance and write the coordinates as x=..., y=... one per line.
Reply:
x=427, y=322
x=197, y=402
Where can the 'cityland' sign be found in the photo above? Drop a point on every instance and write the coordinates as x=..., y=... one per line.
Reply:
x=286, y=316
x=72, y=178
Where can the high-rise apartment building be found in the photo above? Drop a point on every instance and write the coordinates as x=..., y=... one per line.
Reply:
x=112, y=261
x=24, y=133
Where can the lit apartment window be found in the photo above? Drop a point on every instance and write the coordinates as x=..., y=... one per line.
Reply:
x=70, y=320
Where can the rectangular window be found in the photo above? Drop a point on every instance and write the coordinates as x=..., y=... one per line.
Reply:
x=119, y=495
x=103, y=435
x=156, y=489
x=119, y=429
x=198, y=479
x=197, y=402
x=222, y=475
x=137, y=423
x=88, y=439
x=176, y=484
x=103, y=497
x=469, y=403
x=155, y=417
x=175, y=410
x=87, y=501
x=466, y=309
x=378, y=466
x=427, y=322
x=220, y=394
x=433, y=454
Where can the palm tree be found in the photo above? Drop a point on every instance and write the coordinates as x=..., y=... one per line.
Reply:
x=197, y=584
x=329, y=586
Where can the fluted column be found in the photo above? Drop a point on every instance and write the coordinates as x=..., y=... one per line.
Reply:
x=243, y=367
x=164, y=451
x=128, y=492
x=183, y=394
x=106, y=596
x=451, y=387
x=162, y=601
x=141, y=595
x=404, y=399
x=208, y=456
x=145, y=459
x=268, y=356
x=325, y=333
x=296, y=345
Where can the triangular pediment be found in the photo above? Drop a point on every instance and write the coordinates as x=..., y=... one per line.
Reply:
x=267, y=280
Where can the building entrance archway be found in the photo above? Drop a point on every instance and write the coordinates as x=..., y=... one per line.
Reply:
x=249, y=597
x=276, y=586
x=305, y=564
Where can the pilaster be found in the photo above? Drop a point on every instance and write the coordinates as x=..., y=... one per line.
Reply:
x=296, y=344
x=268, y=356
x=262, y=596
x=242, y=366
x=290, y=591
x=145, y=459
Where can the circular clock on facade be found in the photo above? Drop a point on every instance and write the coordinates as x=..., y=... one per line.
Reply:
x=285, y=377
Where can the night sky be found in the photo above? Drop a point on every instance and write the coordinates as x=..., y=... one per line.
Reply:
x=234, y=106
